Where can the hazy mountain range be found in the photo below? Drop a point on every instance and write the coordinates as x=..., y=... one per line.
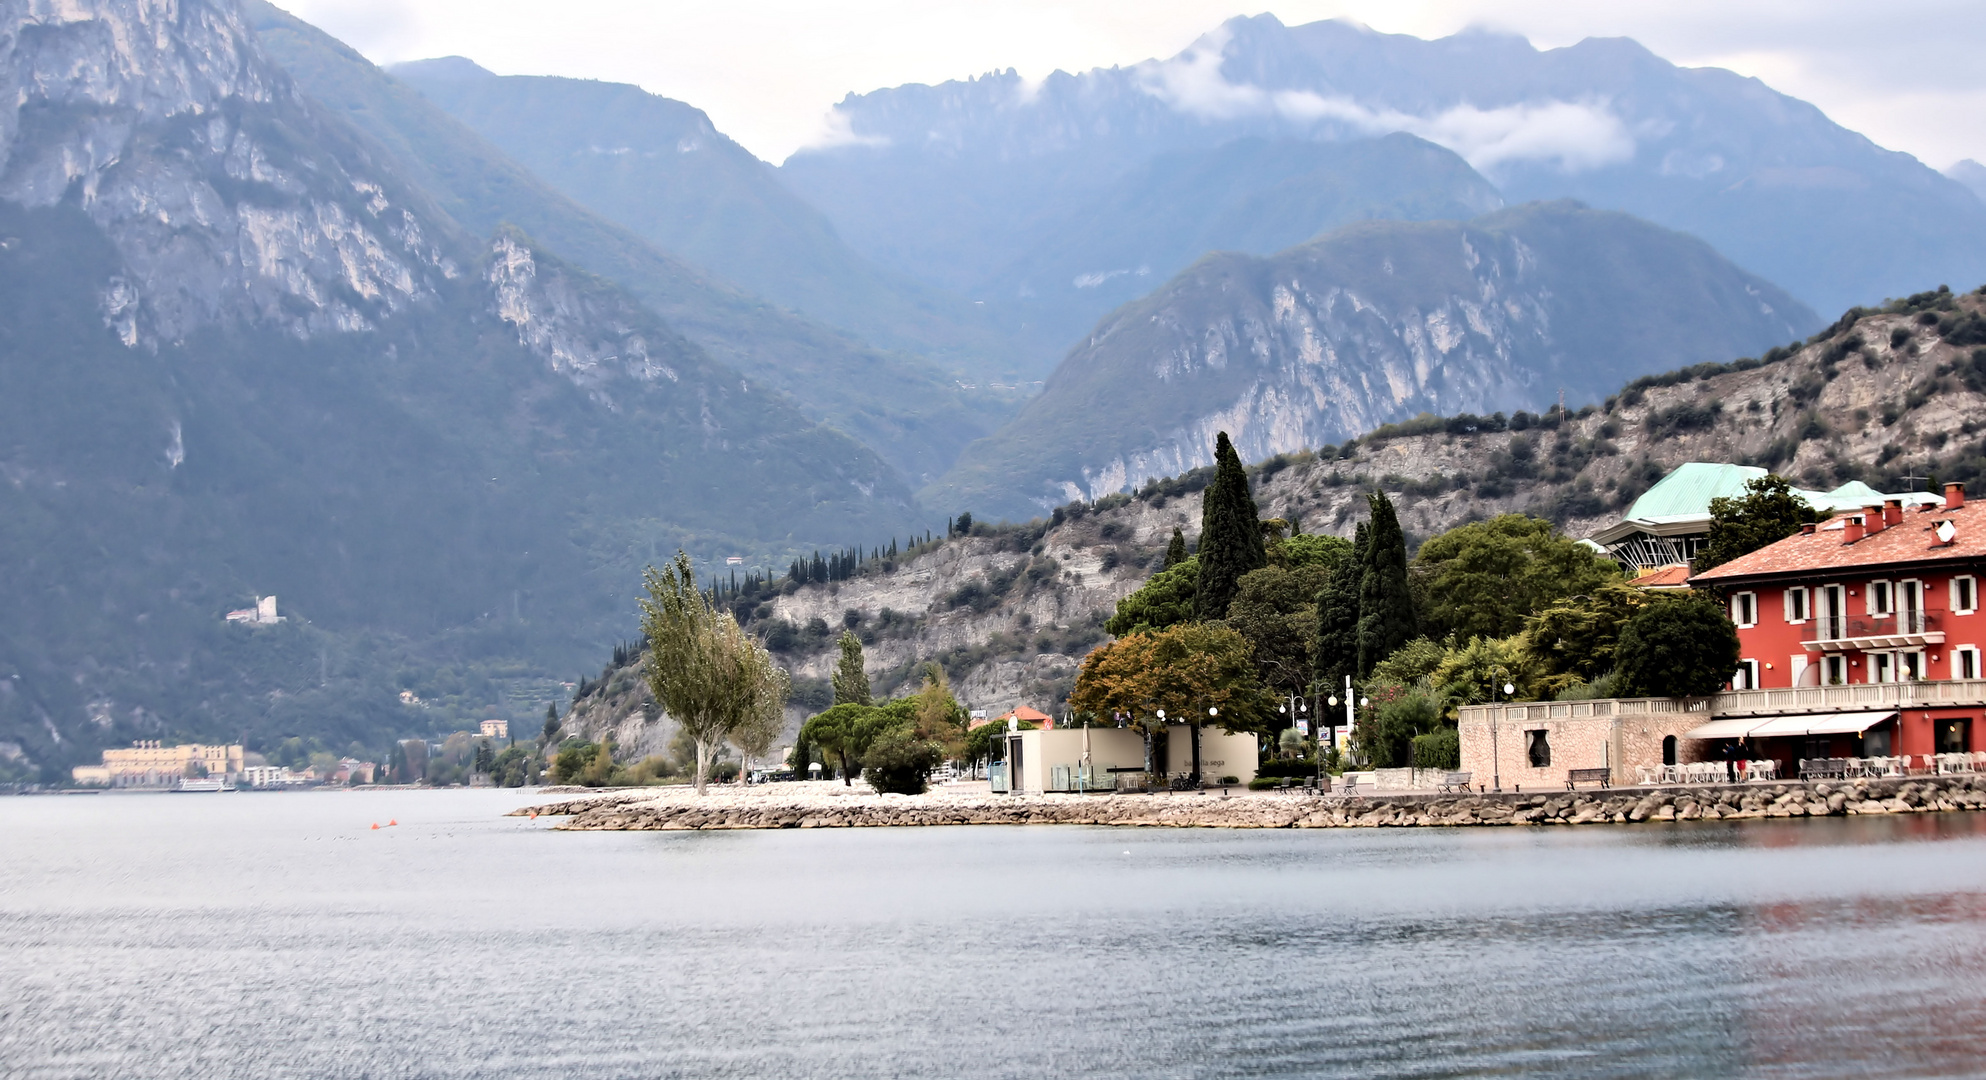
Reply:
x=443, y=359
x=959, y=181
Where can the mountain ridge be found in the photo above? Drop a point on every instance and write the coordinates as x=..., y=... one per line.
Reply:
x=927, y=175
x=1371, y=323
x=909, y=411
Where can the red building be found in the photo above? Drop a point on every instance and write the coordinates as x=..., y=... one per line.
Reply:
x=1882, y=596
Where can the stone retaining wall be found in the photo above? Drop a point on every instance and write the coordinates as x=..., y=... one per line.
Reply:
x=644, y=810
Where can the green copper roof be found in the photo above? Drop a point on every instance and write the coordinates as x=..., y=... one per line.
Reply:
x=1687, y=491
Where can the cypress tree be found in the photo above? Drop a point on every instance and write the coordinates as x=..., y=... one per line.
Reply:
x=1386, y=618
x=1337, y=619
x=851, y=683
x=1175, y=552
x=1230, y=534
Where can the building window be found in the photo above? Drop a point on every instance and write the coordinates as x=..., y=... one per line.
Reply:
x=1834, y=670
x=1796, y=605
x=1539, y=749
x=1668, y=749
x=1965, y=594
x=1746, y=677
x=1833, y=613
x=1953, y=735
x=1744, y=609
x=1882, y=667
x=1965, y=662
x=1910, y=666
x=1879, y=598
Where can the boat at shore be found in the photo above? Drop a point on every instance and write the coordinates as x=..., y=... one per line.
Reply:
x=207, y=784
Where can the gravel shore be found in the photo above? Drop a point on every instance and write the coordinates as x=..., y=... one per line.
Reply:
x=824, y=805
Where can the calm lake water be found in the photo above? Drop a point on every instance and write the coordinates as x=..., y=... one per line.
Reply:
x=278, y=935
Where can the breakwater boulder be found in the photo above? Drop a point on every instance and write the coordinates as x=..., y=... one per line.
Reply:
x=823, y=806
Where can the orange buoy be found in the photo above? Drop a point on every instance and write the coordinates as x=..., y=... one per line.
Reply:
x=375, y=825
x=534, y=815
x=394, y=821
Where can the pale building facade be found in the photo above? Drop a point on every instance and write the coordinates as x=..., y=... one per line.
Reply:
x=151, y=763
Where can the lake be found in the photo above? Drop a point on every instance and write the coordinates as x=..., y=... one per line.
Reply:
x=278, y=935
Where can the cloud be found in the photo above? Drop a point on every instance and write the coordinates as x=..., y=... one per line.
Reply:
x=838, y=129
x=1574, y=135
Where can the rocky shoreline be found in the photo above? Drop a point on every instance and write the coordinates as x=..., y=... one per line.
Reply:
x=791, y=806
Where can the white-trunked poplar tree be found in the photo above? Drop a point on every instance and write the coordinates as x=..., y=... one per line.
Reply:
x=706, y=672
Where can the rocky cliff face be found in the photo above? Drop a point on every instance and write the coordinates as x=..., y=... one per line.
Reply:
x=1372, y=324
x=242, y=354
x=223, y=195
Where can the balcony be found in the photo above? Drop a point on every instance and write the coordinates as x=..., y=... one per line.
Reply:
x=1860, y=633
x=1782, y=701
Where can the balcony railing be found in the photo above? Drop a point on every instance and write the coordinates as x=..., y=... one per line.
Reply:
x=1876, y=629
x=1785, y=701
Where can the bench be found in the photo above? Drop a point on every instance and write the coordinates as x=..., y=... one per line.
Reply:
x=1454, y=783
x=1601, y=776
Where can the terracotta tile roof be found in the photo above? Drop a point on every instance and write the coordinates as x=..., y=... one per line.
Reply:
x=1665, y=577
x=1824, y=551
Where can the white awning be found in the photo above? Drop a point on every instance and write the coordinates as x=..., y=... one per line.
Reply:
x=1854, y=723
x=1765, y=727
x=1734, y=728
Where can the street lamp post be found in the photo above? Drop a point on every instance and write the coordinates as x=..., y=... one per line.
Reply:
x=1496, y=758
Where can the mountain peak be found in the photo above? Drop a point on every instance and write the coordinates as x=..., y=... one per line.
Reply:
x=441, y=69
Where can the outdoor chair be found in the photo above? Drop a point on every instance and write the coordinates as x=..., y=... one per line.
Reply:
x=1648, y=774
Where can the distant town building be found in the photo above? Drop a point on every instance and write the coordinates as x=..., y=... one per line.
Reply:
x=353, y=771
x=153, y=764
x=262, y=614
x=1021, y=713
x=271, y=776
x=496, y=729
x=734, y=560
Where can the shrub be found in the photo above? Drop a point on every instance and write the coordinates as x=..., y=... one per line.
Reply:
x=1439, y=749
x=899, y=763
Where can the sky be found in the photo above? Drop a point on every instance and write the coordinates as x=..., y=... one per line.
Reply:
x=1906, y=73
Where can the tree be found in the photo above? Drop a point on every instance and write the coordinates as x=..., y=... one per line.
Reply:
x=1574, y=640
x=851, y=683
x=838, y=731
x=1336, y=651
x=551, y=724
x=485, y=756
x=1184, y=670
x=599, y=772
x=1767, y=513
x=1309, y=549
x=939, y=717
x=1175, y=551
x=1386, y=618
x=701, y=668
x=1166, y=600
x=1230, y=534
x=1484, y=578
x=1470, y=674
x=760, y=728
x=1397, y=715
x=1678, y=646
x=1275, y=608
